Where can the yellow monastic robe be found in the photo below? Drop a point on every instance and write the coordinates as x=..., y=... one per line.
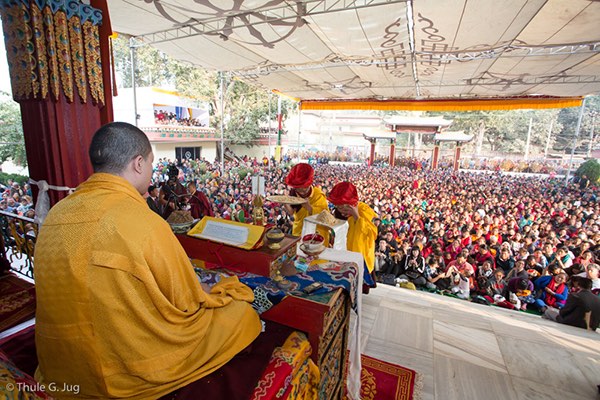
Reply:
x=120, y=312
x=318, y=201
x=362, y=234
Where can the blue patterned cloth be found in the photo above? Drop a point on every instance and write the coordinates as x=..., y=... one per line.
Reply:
x=267, y=292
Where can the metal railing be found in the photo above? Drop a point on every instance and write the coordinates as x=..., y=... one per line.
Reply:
x=17, y=242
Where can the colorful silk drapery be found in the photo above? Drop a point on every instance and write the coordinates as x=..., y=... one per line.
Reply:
x=53, y=44
x=291, y=374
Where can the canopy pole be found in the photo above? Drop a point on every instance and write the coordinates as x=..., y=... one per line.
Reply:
x=548, y=140
x=299, y=128
x=528, y=139
x=279, y=130
x=133, y=85
x=589, y=154
x=581, y=109
x=222, y=126
x=270, y=150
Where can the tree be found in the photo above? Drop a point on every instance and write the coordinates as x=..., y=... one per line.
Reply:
x=568, y=118
x=244, y=106
x=505, y=131
x=12, y=144
x=152, y=66
x=591, y=169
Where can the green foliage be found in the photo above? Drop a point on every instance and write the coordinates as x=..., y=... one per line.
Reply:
x=12, y=144
x=591, y=169
x=150, y=65
x=506, y=131
x=568, y=117
x=21, y=179
x=244, y=107
x=242, y=173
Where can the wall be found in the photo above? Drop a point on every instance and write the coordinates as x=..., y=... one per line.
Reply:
x=167, y=150
x=327, y=130
x=255, y=151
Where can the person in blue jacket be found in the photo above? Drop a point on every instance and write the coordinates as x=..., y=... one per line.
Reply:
x=552, y=291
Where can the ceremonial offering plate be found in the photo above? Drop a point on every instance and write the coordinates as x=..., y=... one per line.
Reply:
x=293, y=200
x=313, y=251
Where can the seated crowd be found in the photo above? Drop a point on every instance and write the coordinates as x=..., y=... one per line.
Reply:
x=514, y=241
x=162, y=117
x=17, y=199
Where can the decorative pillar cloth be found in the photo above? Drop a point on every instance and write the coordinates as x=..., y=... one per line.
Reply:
x=53, y=46
x=436, y=156
x=56, y=50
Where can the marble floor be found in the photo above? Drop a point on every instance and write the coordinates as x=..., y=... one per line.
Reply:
x=467, y=351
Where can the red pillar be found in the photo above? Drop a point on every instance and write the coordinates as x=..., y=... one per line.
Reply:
x=436, y=156
x=457, y=157
x=372, y=154
x=392, y=152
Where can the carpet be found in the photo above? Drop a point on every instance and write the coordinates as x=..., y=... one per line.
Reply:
x=380, y=380
x=17, y=301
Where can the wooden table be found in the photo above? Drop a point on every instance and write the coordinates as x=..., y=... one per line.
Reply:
x=324, y=318
x=262, y=261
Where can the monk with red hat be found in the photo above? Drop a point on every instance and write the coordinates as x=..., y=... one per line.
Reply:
x=300, y=181
x=362, y=232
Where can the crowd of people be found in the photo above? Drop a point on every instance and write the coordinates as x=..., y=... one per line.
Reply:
x=162, y=117
x=549, y=167
x=324, y=157
x=515, y=241
x=16, y=199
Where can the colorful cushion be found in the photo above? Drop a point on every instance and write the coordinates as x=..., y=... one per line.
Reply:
x=15, y=384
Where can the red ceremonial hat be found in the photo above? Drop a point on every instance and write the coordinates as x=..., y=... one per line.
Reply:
x=300, y=176
x=343, y=193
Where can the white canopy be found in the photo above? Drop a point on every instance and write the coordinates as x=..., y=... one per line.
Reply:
x=381, y=49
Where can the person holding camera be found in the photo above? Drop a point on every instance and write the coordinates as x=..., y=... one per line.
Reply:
x=414, y=267
x=172, y=192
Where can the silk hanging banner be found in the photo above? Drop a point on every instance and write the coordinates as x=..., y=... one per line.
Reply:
x=53, y=45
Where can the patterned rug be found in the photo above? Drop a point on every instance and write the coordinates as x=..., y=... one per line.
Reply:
x=17, y=301
x=380, y=380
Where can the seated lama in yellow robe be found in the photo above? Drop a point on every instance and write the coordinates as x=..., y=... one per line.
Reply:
x=120, y=312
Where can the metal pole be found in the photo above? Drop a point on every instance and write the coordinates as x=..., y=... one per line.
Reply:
x=270, y=97
x=299, y=128
x=528, y=139
x=589, y=154
x=480, y=138
x=135, y=110
x=581, y=109
x=222, y=126
x=279, y=122
x=278, y=152
x=548, y=140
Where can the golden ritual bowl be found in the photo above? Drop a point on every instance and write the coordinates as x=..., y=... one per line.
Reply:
x=274, y=236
